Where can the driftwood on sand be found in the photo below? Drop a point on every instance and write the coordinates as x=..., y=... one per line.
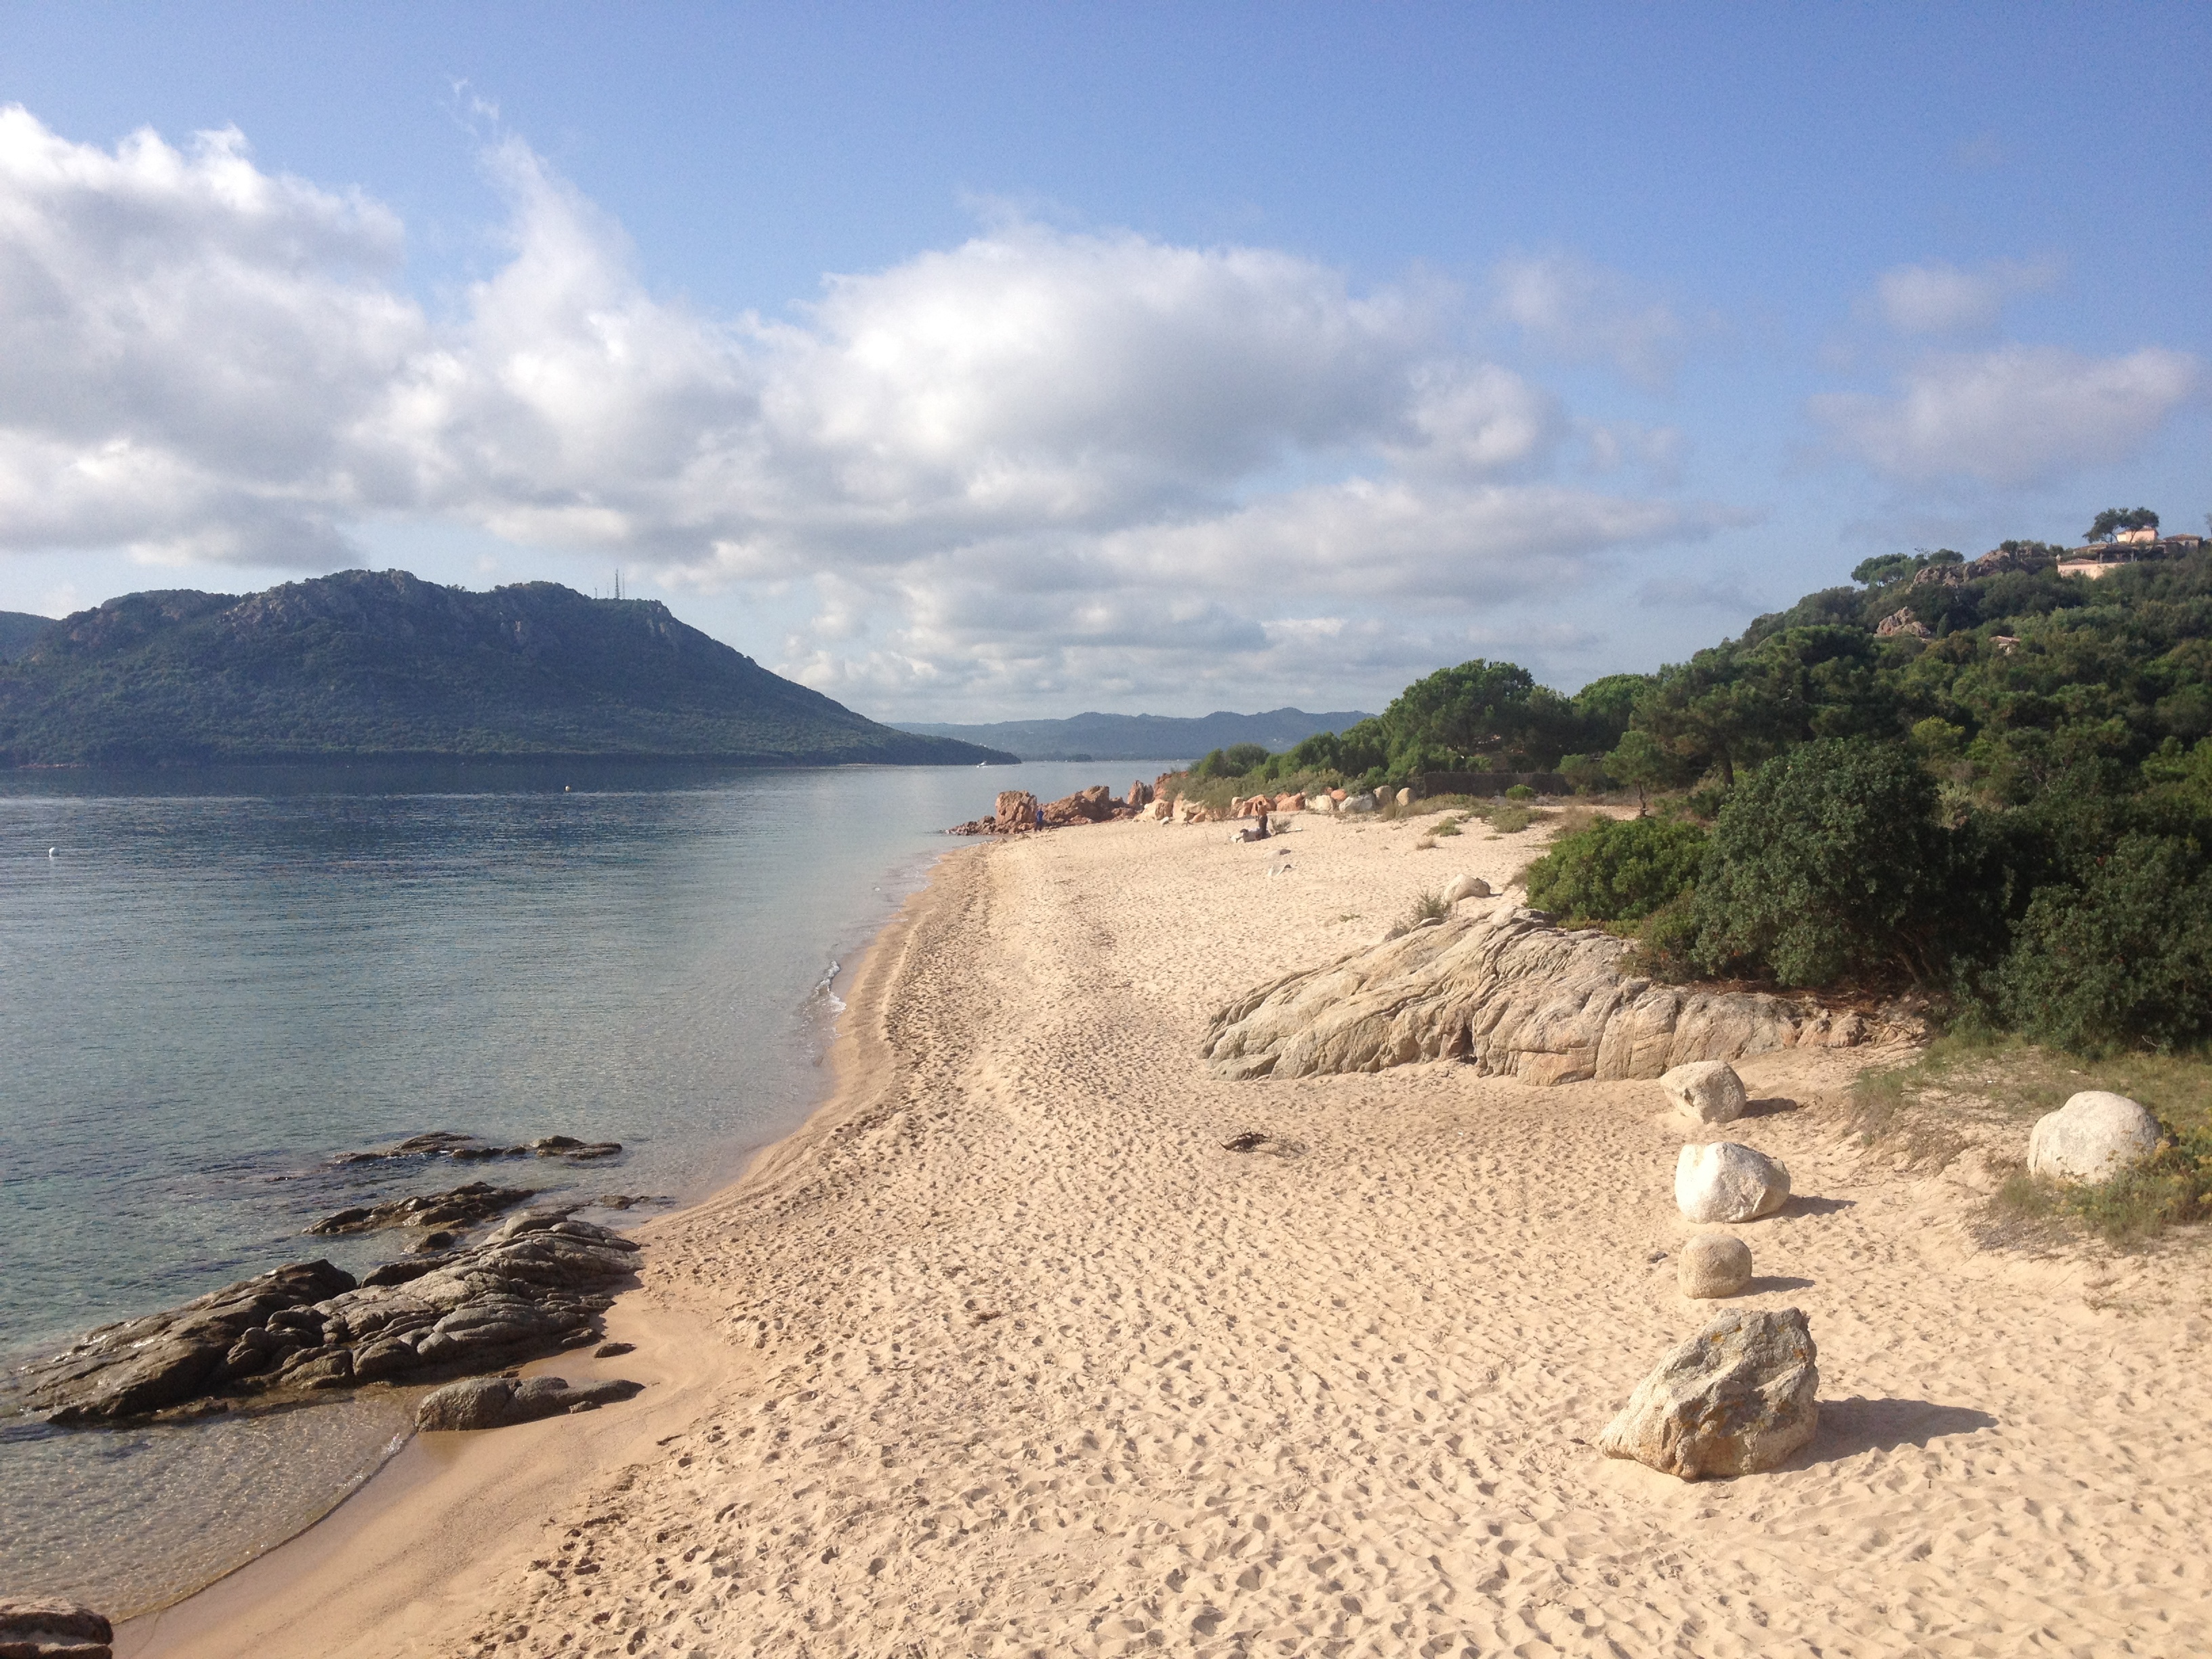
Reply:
x=1501, y=988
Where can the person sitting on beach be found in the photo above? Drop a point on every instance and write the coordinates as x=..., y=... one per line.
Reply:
x=1258, y=831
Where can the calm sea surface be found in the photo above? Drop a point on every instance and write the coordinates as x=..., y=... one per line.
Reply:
x=212, y=984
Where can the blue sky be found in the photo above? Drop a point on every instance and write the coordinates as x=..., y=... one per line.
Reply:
x=978, y=362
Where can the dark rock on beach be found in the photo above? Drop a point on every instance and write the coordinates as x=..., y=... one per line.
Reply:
x=53, y=1629
x=498, y=1402
x=463, y=1206
x=536, y=1286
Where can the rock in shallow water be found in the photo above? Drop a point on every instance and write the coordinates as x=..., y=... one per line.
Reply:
x=1738, y=1398
x=536, y=1285
x=1726, y=1181
x=497, y=1402
x=53, y=1629
x=463, y=1206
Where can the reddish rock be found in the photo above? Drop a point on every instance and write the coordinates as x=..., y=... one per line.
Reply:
x=1293, y=803
x=1016, y=810
x=1139, y=796
x=1093, y=806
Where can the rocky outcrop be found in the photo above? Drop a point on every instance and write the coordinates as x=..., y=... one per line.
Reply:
x=1738, y=1398
x=1500, y=988
x=1713, y=1265
x=1465, y=887
x=1017, y=810
x=1726, y=1181
x=469, y=1149
x=463, y=1206
x=498, y=1403
x=2093, y=1137
x=1705, y=1091
x=1093, y=806
x=536, y=1285
x=41, y=1629
x=1902, y=621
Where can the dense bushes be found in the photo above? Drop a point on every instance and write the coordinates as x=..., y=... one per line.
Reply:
x=1825, y=864
x=2126, y=957
x=1618, y=869
x=2006, y=799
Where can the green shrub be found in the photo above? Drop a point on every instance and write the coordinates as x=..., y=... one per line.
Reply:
x=1520, y=791
x=1617, y=870
x=1827, y=864
x=2126, y=957
x=1430, y=907
x=1237, y=761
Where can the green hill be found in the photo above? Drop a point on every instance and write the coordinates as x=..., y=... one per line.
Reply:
x=364, y=665
x=17, y=629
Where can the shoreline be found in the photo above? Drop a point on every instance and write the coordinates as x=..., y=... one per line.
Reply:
x=1039, y=1335
x=261, y=1606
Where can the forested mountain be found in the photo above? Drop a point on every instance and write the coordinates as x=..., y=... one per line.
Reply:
x=17, y=629
x=363, y=664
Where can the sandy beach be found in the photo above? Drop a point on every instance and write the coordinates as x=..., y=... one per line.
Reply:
x=1005, y=1353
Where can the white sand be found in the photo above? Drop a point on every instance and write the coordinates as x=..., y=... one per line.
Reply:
x=1005, y=1353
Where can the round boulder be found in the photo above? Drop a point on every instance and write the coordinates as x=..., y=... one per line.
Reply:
x=1466, y=887
x=1713, y=1265
x=2093, y=1137
x=1726, y=1181
x=1706, y=1091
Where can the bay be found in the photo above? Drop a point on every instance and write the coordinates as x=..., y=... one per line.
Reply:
x=214, y=984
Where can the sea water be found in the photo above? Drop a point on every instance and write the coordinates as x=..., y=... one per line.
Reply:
x=214, y=985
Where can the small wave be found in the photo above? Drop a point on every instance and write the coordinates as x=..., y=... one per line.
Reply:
x=823, y=995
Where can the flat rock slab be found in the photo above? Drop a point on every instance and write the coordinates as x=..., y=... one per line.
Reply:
x=498, y=1403
x=1738, y=1398
x=462, y=1206
x=536, y=1285
x=1500, y=988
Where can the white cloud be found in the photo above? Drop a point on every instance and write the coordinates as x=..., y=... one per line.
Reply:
x=1038, y=455
x=1585, y=312
x=1943, y=298
x=2013, y=416
x=186, y=346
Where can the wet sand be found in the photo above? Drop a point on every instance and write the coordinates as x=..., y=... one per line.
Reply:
x=1005, y=1352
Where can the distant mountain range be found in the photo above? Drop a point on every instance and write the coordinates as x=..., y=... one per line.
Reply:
x=1143, y=736
x=17, y=629
x=364, y=665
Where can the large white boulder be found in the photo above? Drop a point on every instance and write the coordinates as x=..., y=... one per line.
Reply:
x=1362, y=802
x=2093, y=1137
x=1713, y=1265
x=1706, y=1091
x=1465, y=887
x=1726, y=1181
x=1738, y=1398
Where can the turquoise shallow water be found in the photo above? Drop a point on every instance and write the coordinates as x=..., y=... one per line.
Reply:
x=213, y=984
